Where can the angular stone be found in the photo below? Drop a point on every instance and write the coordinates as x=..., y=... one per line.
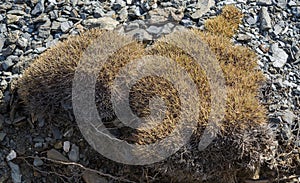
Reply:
x=12, y=155
x=265, y=20
x=54, y=154
x=15, y=172
x=289, y=117
x=66, y=26
x=10, y=19
x=203, y=6
x=39, y=8
x=264, y=2
x=22, y=43
x=8, y=50
x=243, y=38
x=279, y=56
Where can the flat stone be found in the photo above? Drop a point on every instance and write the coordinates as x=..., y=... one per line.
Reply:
x=265, y=20
x=55, y=25
x=289, y=117
x=154, y=29
x=54, y=154
x=203, y=6
x=264, y=2
x=39, y=8
x=15, y=172
x=17, y=12
x=243, y=38
x=66, y=26
x=106, y=23
x=12, y=18
x=279, y=56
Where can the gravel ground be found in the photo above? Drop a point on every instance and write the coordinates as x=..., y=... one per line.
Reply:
x=28, y=28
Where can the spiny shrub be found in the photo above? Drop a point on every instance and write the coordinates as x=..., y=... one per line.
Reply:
x=46, y=89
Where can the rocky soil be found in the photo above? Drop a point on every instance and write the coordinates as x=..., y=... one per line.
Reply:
x=30, y=27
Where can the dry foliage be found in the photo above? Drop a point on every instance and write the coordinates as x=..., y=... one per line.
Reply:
x=46, y=89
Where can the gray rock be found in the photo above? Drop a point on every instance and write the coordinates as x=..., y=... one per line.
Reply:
x=74, y=2
x=203, y=6
x=55, y=25
x=279, y=56
x=281, y=3
x=40, y=50
x=129, y=2
x=15, y=172
x=98, y=12
x=2, y=41
x=3, y=28
x=167, y=29
x=265, y=20
x=292, y=3
x=187, y=22
x=289, y=117
x=56, y=133
x=140, y=35
x=243, y=37
x=54, y=154
x=66, y=26
x=22, y=43
x=264, y=2
x=74, y=153
x=251, y=20
x=2, y=136
x=131, y=26
x=10, y=19
x=37, y=162
x=12, y=155
x=66, y=146
x=17, y=12
x=9, y=62
x=8, y=50
x=123, y=14
x=39, y=8
x=53, y=14
x=154, y=29
x=277, y=29
x=107, y=23
x=296, y=11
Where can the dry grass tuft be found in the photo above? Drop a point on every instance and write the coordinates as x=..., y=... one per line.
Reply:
x=226, y=23
x=46, y=89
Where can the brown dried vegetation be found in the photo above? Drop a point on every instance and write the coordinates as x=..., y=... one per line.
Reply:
x=46, y=89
